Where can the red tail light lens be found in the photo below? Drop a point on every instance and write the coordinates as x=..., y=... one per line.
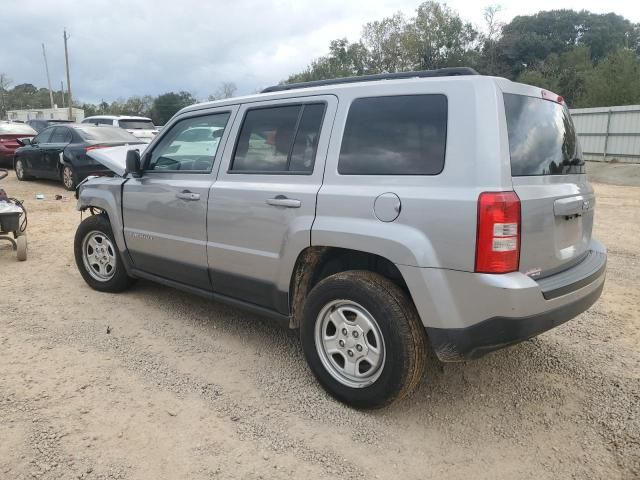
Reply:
x=498, y=240
x=94, y=147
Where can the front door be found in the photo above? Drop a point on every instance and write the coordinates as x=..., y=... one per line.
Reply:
x=165, y=209
x=263, y=203
x=53, y=150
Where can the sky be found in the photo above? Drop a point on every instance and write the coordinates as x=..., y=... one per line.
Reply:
x=120, y=48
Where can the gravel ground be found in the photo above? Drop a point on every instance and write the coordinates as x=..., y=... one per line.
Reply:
x=156, y=383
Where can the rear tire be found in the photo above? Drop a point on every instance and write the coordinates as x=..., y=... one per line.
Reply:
x=98, y=258
x=380, y=321
x=68, y=177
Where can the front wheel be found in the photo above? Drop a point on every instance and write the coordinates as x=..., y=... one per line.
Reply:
x=97, y=257
x=19, y=168
x=362, y=338
x=68, y=177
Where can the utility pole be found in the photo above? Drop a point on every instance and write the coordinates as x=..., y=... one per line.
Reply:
x=66, y=59
x=62, y=93
x=46, y=67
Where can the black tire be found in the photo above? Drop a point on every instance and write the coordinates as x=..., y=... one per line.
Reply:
x=118, y=280
x=403, y=334
x=68, y=177
x=19, y=169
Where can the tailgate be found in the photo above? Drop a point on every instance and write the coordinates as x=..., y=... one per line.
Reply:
x=548, y=175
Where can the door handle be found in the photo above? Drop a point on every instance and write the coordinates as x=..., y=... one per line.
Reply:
x=283, y=201
x=187, y=195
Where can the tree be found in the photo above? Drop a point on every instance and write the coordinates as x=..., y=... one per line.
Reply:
x=440, y=38
x=167, y=105
x=614, y=81
x=385, y=42
x=343, y=60
x=489, y=62
x=5, y=82
x=225, y=90
x=564, y=74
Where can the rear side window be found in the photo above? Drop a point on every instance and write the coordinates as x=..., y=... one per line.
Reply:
x=542, y=138
x=279, y=139
x=44, y=136
x=395, y=135
x=61, y=135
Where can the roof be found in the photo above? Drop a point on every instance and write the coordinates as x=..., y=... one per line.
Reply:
x=324, y=87
x=117, y=117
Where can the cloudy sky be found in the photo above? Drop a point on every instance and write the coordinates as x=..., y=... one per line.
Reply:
x=120, y=48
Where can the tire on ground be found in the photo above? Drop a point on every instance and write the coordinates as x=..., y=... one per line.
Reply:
x=403, y=333
x=120, y=280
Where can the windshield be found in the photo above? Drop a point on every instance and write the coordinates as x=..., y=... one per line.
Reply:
x=542, y=138
x=106, y=134
x=136, y=124
x=16, y=129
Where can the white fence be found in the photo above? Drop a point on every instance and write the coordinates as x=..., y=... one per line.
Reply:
x=608, y=133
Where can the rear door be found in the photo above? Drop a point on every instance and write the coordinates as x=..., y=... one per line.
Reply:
x=548, y=174
x=165, y=210
x=263, y=203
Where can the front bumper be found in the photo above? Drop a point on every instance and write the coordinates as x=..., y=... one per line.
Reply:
x=467, y=315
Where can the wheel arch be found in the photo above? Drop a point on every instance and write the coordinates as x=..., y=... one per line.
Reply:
x=315, y=263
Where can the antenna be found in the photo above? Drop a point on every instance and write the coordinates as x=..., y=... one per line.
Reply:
x=66, y=59
x=46, y=67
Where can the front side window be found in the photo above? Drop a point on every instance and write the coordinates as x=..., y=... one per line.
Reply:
x=190, y=145
x=279, y=139
x=395, y=135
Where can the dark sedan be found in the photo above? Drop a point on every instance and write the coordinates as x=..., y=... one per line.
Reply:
x=60, y=152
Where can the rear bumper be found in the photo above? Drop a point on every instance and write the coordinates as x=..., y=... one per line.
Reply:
x=467, y=315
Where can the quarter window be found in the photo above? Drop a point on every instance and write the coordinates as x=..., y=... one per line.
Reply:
x=190, y=145
x=279, y=139
x=395, y=135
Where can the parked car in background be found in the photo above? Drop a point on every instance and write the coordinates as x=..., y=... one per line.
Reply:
x=9, y=134
x=39, y=125
x=374, y=214
x=140, y=127
x=60, y=152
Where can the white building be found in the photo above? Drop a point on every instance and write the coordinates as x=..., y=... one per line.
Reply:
x=45, y=114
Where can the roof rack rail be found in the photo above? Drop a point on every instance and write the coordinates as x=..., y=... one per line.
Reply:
x=441, y=72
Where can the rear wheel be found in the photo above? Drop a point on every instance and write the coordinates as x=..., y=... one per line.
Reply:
x=68, y=177
x=97, y=256
x=19, y=168
x=362, y=338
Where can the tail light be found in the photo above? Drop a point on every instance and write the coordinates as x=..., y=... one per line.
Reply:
x=94, y=147
x=498, y=238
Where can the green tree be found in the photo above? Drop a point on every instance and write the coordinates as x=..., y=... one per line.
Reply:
x=167, y=105
x=614, y=81
x=564, y=74
x=343, y=60
x=386, y=45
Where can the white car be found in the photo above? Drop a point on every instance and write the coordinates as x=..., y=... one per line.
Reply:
x=139, y=127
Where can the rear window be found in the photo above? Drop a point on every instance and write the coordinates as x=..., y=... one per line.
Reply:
x=542, y=138
x=16, y=129
x=395, y=135
x=105, y=134
x=136, y=124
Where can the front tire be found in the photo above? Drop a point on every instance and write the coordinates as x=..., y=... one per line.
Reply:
x=97, y=256
x=19, y=168
x=68, y=178
x=362, y=339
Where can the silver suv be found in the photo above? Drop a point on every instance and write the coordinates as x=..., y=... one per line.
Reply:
x=376, y=214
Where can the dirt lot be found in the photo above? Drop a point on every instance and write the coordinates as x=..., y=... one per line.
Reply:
x=183, y=387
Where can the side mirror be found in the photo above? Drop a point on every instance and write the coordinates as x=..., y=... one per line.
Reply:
x=133, y=163
x=24, y=141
